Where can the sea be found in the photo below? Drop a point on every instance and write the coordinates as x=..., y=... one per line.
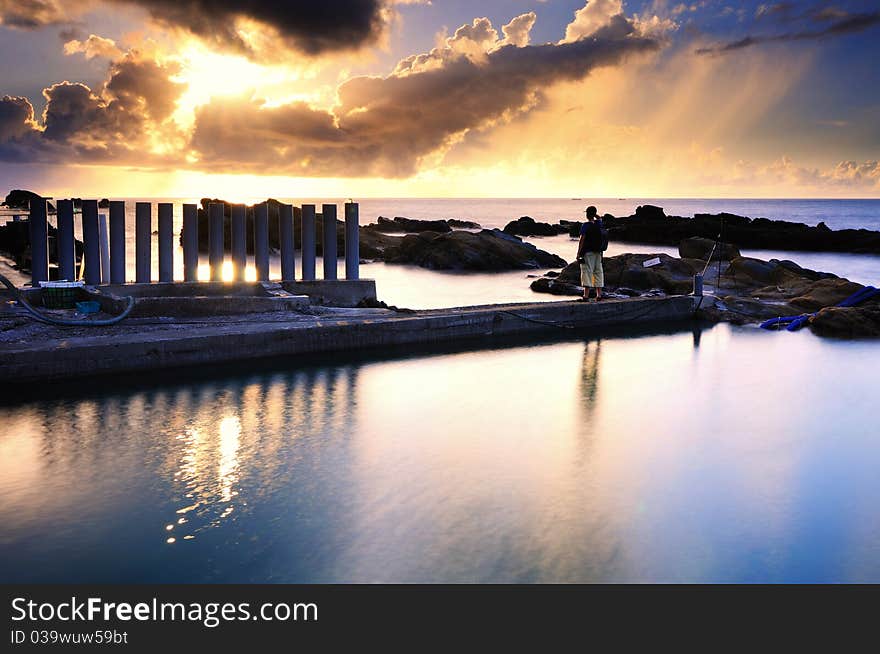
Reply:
x=704, y=454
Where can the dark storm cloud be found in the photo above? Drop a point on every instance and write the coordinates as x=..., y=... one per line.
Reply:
x=310, y=27
x=848, y=24
x=313, y=27
x=385, y=125
x=79, y=125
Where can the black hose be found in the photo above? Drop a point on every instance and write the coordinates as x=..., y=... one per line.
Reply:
x=49, y=320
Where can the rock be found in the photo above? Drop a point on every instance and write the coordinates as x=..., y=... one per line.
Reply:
x=824, y=293
x=626, y=271
x=455, y=223
x=650, y=212
x=410, y=225
x=747, y=271
x=20, y=199
x=556, y=287
x=650, y=225
x=527, y=226
x=854, y=322
x=700, y=248
x=483, y=250
x=741, y=310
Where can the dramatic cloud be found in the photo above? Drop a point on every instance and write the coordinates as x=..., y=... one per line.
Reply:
x=386, y=125
x=94, y=46
x=310, y=27
x=32, y=14
x=843, y=24
x=119, y=123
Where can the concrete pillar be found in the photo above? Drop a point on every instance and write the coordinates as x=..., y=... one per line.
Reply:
x=65, y=241
x=239, y=241
x=142, y=242
x=38, y=225
x=308, y=242
x=215, y=240
x=261, y=241
x=329, y=213
x=166, y=242
x=91, y=241
x=352, y=241
x=117, y=242
x=190, y=242
x=104, y=247
x=285, y=231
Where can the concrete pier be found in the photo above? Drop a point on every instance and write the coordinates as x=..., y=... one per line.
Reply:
x=261, y=241
x=190, y=242
x=104, y=247
x=117, y=242
x=166, y=242
x=215, y=240
x=65, y=241
x=91, y=241
x=38, y=224
x=137, y=348
x=143, y=242
x=239, y=240
x=285, y=232
x=352, y=241
x=328, y=213
x=309, y=246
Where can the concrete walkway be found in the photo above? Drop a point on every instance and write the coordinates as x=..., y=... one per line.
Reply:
x=31, y=352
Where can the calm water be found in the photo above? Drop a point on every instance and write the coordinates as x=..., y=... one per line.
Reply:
x=726, y=455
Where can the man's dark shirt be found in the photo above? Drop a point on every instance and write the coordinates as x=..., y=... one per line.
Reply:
x=592, y=234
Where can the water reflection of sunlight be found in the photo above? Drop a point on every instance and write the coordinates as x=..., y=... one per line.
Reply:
x=230, y=436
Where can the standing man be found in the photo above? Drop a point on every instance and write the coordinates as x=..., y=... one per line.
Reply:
x=589, y=255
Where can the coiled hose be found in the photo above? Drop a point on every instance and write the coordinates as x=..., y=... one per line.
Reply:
x=50, y=320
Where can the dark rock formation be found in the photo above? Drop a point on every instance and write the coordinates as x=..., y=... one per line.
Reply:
x=653, y=227
x=854, y=322
x=456, y=223
x=484, y=250
x=409, y=225
x=527, y=226
x=15, y=242
x=702, y=248
x=20, y=199
x=671, y=275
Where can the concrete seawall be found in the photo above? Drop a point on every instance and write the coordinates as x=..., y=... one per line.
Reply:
x=125, y=350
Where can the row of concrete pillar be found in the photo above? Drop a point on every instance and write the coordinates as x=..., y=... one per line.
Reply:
x=92, y=228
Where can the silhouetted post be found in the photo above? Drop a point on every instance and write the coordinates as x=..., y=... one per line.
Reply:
x=166, y=242
x=261, y=241
x=239, y=241
x=117, y=242
x=90, y=241
x=65, y=241
x=215, y=240
x=285, y=231
x=352, y=241
x=190, y=242
x=329, y=213
x=38, y=225
x=142, y=236
x=308, y=242
x=104, y=247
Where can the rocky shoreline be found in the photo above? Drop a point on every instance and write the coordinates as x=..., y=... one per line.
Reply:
x=651, y=226
x=750, y=290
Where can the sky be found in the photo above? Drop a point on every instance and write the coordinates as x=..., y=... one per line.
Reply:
x=440, y=98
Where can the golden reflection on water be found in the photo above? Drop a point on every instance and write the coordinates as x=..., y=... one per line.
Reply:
x=655, y=458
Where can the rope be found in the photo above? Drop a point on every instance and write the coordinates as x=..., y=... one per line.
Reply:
x=50, y=320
